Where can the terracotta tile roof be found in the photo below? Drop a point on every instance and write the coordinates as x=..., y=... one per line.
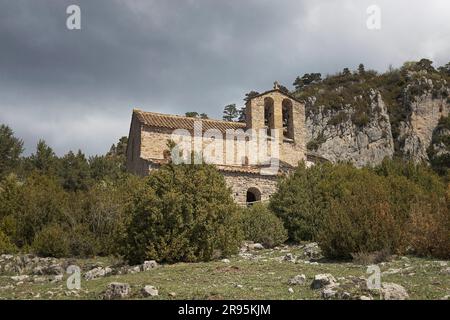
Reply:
x=169, y=121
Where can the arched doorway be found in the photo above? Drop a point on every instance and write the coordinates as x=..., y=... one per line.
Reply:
x=253, y=195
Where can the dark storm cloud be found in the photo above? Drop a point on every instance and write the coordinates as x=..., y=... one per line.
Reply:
x=76, y=89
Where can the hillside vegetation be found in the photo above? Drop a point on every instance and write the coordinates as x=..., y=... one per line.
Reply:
x=74, y=206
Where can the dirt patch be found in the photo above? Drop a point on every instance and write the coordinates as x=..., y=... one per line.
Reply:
x=228, y=269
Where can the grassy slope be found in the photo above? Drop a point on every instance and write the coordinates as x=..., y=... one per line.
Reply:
x=264, y=278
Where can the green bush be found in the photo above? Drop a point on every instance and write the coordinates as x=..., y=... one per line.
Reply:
x=263, y=226
x=185, y=213
x=52, y=241
x=101, y=214
x=82, y=242
x=42, y=202
x=362, y=212
x=303, y=198
x=428, y=230
x=6, y=246
x=360, y=220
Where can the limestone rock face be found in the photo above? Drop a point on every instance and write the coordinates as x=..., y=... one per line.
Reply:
x=333, y=134
x=340, y=139
x=417, y=131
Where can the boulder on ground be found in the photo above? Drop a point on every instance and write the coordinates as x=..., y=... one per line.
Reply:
x=289, y=257
x=116, y=290
x=312, y=251
x=298, y=279
x=97, y=273
x=329, y=293
x=20, y=278
x=323, y=280
x=149, y=291
x=446, y=271
x=148, y=265
x=393, y=291
x=255, y=246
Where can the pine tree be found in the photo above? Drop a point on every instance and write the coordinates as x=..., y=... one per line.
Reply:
x=251, y=94
x=191, y=114
x=44, y=159
x=230, y=112
x=75, y=172
x=361, y=69
x=10, y=150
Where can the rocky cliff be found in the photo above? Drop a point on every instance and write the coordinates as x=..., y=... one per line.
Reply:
x=416, y=132
x=334, y=136
x=365, y=118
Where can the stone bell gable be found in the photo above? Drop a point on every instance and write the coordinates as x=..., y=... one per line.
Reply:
x=276, y=110
x=271, y=111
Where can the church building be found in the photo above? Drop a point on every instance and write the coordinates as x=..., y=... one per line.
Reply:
x=274, y=112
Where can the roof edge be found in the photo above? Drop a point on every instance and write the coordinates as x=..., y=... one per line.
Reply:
x=276, y=90
x=188, y=118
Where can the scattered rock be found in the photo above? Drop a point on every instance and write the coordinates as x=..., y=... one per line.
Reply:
x=365, y=298
x=393, y=291
x=39, y=279
x=392, y=271
x=20, y=278
x=116, y=290
x=225, y=260
x=54, y=269
x=290, y=290
x=289, y=257
x=172, y=294
x=7, y=287
x=328, y=293
x=312, y=251
x=255, y=246
x=148, y=265
x=298, y=280
x=57, y=278
x=442, y=263
x=446, y=271
x=135, y=269
x=323, y=280
x=346, y=295
x=97, y=273
x=149, y=291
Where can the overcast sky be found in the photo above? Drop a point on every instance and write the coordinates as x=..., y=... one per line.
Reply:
x=77, y=88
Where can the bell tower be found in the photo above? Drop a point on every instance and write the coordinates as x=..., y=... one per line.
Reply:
x=278, y=110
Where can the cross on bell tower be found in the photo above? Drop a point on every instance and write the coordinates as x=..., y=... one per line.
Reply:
x=276, y=85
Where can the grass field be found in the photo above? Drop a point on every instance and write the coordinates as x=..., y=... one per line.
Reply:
x=257, y=275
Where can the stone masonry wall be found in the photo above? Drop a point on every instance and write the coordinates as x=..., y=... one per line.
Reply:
x=241, y=182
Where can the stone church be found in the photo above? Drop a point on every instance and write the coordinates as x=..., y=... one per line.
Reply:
x=273, y=111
